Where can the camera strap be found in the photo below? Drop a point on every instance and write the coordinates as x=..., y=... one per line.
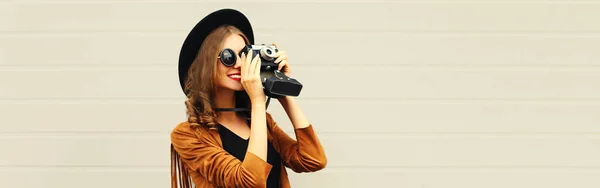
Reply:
x=241, y=109
x=232, y=109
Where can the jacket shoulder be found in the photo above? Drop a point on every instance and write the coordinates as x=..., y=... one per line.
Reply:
x=186, y=129
x=270, y=120
x=181, y=127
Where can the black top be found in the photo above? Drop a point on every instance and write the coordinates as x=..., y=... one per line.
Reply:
x=237, y=147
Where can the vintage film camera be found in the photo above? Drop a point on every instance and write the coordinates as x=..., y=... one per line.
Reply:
x=275, y=83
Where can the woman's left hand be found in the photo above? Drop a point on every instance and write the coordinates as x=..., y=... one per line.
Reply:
x=282, y=61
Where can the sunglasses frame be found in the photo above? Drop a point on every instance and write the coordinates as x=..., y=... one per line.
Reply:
x=229, y=50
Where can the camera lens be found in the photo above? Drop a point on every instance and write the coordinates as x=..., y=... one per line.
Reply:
x=268, y=53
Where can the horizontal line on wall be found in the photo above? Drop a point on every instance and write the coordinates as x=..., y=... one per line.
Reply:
x=463, y=167
x=306, y=2
x=95, y=100
x=461, y=135
x=328, y=168
x=85, y=167
x=71, y=134
x=479, y=169
x=270, y=32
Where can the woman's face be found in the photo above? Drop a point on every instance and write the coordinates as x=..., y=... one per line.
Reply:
x=229, y=77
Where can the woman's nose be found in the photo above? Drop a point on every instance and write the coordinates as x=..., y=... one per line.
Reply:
x=238, y=63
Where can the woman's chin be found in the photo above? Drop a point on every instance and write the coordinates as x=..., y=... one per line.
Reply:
x=232, y=86
x=236, y=87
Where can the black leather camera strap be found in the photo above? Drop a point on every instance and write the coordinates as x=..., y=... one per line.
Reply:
x=232, y=109
x=241, y=109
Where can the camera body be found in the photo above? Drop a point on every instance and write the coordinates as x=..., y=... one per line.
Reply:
x=275, y=83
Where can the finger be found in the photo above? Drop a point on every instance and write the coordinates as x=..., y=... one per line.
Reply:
x=252, y=68
x=248, y=62
x=279, y=52
x=243, y=62
x=282, y=64
x=257, y=67
x=281, y=57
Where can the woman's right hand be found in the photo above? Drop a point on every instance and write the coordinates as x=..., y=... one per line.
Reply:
x=251, y=82
x=251, y=78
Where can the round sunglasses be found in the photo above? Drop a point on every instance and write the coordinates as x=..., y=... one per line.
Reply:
x=228, y=57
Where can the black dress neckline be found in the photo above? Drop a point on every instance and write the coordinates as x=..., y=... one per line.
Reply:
x=237, y=146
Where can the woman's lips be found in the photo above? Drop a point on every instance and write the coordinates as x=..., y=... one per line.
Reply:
x=235, y=76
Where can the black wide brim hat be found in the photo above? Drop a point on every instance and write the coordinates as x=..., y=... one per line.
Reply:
x=203, y=28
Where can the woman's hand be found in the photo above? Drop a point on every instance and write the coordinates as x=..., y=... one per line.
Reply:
x=282, y=61
x=251, y=78
x=251, y=82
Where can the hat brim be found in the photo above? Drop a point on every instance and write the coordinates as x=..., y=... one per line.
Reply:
x=203, y=28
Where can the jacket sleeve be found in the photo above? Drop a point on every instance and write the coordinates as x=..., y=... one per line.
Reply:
x=219, y=167
x=304, y=155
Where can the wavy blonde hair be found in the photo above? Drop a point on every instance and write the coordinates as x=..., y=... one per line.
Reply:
x=200, y=84
x=200, y=90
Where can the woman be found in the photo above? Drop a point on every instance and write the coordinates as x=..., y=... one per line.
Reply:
x=229, y=140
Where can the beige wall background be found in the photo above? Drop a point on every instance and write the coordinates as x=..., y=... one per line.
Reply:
x=411, y=94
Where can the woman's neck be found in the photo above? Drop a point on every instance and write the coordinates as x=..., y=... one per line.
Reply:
x=225, y=99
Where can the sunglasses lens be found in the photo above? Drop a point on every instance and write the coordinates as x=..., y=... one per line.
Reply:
x=228, y=57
